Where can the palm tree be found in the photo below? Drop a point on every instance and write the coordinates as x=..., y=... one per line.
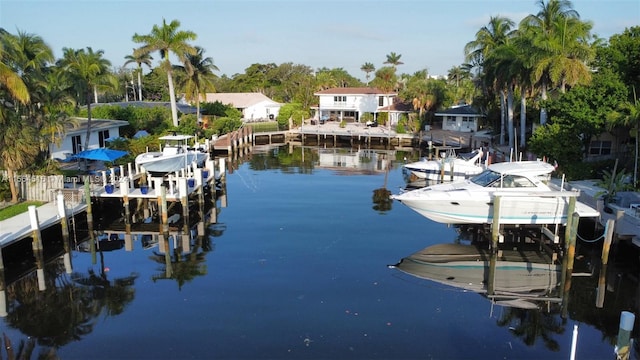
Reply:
x=560, y=47
x=368, y=68
x=167, y=39
x=457, y=74
x=200, y=76
x=87, y=71
x=478, y=51
x=9, y=79
x=393, y=59
x=386, y=80
x=24, y=58
x=140, y=59
x=16, y=148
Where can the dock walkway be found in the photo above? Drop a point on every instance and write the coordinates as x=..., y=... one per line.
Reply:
x=19, y=227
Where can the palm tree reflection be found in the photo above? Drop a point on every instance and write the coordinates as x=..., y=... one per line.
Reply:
x=184, y=267
x=382, y=201
x=67, y=310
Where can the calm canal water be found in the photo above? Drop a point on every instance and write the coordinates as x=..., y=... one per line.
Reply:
x=298, y=267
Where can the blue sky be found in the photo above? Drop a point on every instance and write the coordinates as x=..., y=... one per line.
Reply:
x=428, y=34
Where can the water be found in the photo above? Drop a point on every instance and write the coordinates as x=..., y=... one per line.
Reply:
x=297, y=267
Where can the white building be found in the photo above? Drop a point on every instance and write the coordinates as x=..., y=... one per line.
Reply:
x=460, y=118
x=254, y=106
x=350, y=103
x=74, y=137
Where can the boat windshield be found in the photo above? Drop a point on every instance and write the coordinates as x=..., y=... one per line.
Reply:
x=485, y=178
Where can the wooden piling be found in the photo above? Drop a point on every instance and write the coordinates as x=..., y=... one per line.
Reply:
x=608, y=237
x=3, y=286
x=92, y=236
x=64, y=224
x=495, y=223
x=36, y=245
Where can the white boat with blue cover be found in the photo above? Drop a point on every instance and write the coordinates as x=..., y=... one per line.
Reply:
x=527, y=197
x=175, y=155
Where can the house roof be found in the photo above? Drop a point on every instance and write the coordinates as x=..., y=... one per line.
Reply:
x=465, y=110
x=353, y=91
x=239, y=100
x=183, y=108
x=398, y=107
x=96, y=125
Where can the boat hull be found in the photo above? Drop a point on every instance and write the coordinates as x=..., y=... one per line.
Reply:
x=462, y=207
x=167, y=164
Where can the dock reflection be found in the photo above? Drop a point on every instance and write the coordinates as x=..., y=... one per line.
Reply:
x=530, y=282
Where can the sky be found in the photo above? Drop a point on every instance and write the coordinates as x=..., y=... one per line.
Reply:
x=428, y=34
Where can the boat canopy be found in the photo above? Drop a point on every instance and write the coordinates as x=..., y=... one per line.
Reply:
x=175, y=137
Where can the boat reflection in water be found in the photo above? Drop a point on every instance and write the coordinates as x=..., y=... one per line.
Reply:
x=514, y=278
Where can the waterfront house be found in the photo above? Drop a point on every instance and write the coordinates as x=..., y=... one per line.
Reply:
x=254, y=106
x=463, y=118
x=350, y=103
x=74, y=136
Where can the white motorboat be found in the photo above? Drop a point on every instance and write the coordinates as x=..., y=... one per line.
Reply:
x=520, y=277
x=450, y=167
x=175, y=156
x=524, y=188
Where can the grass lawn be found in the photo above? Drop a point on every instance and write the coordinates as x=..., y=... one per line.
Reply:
x=16, y=209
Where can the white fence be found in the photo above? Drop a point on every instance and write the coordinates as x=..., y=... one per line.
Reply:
x=43, y=187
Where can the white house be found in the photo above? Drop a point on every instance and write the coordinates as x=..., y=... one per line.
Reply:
x=254, y=106
x=349, y=103
x=460, y=118
x=74, y=137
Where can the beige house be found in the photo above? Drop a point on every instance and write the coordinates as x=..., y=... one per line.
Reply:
x=254, y=106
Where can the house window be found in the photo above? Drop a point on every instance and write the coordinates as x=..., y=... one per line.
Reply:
x=598, y=147
x=76, y=144
x=102, y=136
x=339, y=99
x=467, y=122
x=380, y=100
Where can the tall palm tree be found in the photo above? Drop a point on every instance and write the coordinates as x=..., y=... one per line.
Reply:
x=168, y=39
x=140, y=59
x=560, y=47
x=386, y=80
x=87, y=71
x=490, y=37
x=368, y=68
x=200, y=76
x=393, y=59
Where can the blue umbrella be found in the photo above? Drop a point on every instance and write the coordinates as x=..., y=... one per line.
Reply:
x=101, y=154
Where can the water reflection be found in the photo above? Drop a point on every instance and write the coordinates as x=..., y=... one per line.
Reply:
x=70, y=305
x=520, y=278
